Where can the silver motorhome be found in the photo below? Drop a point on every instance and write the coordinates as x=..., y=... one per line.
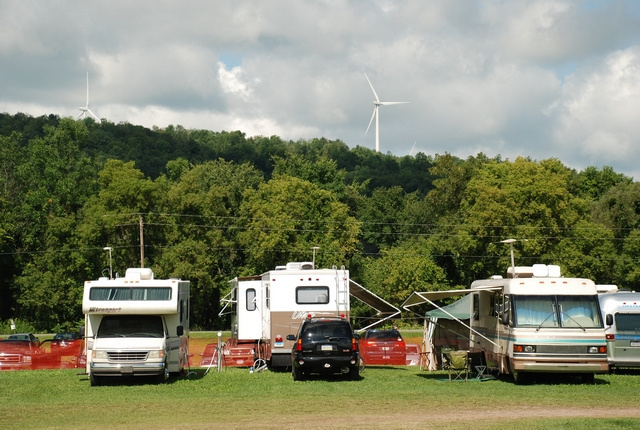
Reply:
x=621, y=312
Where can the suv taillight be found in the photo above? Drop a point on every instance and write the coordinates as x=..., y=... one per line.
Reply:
x=354, y=344
x=299, y=345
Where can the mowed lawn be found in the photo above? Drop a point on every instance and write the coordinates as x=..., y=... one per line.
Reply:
x=384, y=398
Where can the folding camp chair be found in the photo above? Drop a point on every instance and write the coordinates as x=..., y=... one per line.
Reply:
x=459, y=365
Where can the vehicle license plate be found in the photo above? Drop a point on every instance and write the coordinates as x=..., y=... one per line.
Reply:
x=634, y=343
x=327, y=348
x=127, y=369
x=386, y=348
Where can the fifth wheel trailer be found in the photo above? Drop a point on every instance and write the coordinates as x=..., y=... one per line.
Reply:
x=267, y=307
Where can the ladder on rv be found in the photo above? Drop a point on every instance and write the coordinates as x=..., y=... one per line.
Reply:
x=342, y=292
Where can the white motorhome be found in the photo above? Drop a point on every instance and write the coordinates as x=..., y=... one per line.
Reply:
x=535, y=321
x=621, y=312
x=268, y=307
x=136, y=326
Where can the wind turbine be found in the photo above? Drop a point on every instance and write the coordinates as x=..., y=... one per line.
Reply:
x=85, y=109
x=376, y=105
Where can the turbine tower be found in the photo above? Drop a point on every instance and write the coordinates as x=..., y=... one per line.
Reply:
x=376, y=105
x=85, y=109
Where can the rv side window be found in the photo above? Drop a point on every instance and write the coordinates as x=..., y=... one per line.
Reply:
x=628, y=322
x=268, y=298
x=129, y=293
x=251, y=299
x=476, y=306
x=312, y=295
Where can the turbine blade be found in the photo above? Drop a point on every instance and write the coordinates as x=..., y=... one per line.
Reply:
x=392, y=103
x=375, y=111
x=374, y=91
x=94, y=115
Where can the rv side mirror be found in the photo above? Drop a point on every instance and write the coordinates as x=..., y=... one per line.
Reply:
x=180, y=330
x=504, y=318
x=609, y=319
x=291, y=337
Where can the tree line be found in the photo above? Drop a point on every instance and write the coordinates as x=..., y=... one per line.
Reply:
x=215, y=205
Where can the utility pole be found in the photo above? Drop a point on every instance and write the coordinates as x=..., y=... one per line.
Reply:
x=141, y=244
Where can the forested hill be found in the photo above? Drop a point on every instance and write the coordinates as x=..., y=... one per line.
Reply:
x=215, y=205
x=152, y=149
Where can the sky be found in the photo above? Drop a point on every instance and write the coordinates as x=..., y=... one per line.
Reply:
x=536, y=78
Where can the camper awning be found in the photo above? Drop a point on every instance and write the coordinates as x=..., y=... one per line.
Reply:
x=385, y=309
x=460, y=309
x=420, y=297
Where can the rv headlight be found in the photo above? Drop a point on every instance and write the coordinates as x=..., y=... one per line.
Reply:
x=156, y=353
x=96, y=353
x=524, y=348
x=597, y=349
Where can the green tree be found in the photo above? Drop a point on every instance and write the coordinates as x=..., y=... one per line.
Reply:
x=287, y=216
x=522, y=199
x=401, y=270
x=58, y=179
x=619, y=208
x=202, y=210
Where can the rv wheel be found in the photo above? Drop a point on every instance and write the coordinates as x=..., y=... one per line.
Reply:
x=588, y=378
x=95, y=380
x=521, y=378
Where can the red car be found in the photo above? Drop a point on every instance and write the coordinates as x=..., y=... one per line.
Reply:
x=383, y=347
x=19, y=352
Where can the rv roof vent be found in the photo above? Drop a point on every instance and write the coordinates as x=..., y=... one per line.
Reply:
x=281, y=267
x=554, y=271
x=540, y=271
x=496, y=276
x=520, y=272
x=141, y=273
x=300, y=266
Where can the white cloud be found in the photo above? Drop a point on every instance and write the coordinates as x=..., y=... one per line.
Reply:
x=537, y=78
x=598, y=114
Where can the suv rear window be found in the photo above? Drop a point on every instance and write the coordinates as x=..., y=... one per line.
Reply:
x=325, y=329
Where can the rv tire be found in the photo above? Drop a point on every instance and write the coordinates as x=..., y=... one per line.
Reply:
x=522, y=378
x=588, y=378
x=95, y=380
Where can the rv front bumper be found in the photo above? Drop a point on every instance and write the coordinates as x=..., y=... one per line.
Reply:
x=127, y=369
x=600, y=366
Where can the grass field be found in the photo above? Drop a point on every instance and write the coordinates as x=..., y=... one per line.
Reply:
x=385, y=397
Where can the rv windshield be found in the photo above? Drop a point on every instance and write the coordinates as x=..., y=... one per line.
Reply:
x=131, y=326
x=556, y=311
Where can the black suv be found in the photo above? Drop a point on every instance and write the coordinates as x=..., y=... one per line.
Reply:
x=325, y=345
